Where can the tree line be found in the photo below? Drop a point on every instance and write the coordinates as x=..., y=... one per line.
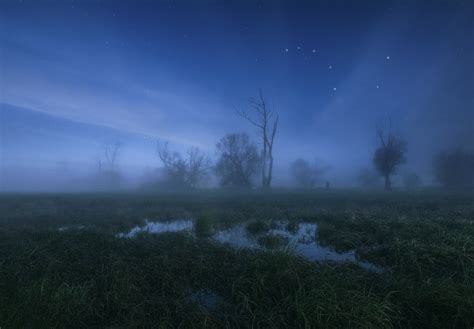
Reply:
x=240, y=162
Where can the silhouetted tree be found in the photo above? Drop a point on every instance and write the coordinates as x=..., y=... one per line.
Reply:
x=368, y=178
x=266, y=121
x=198, y=166
x=455, y=169
x=183, y=173
x=109, y=176
x=111, y=152
x=238, y=161
x=303, y=174
x=412, y=181
x=389, y=155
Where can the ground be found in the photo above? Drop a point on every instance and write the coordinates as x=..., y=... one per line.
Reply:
x=64, y=264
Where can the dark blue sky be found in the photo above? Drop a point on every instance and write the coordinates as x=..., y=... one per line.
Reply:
x=77, y=74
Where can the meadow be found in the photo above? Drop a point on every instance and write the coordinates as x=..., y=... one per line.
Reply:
x=71, y=260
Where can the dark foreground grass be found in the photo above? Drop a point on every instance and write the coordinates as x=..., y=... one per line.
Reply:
x=90, y=279
x=81, y=280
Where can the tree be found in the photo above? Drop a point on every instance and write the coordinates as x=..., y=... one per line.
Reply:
x=238, y=161
x=455, y=169
x=389, y=155
x=111, y=152
x=303, y=174
x=109, y=177
x=412, y=181
x=198, y=165
x=183, y=173
x=266, y=121
x=368, y=178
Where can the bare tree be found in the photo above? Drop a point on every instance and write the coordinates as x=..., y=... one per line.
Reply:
x=198, y=165
x=184, y=173
x=389, y=155
x=412, y=181
x=454, y=169
x=266, y=120
x=368, y=178
x=238, y=161
x=304, y=174
x=109, y=176
x=110, y=153
x=99, y=165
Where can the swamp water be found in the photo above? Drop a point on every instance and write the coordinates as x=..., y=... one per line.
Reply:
x=301, y=240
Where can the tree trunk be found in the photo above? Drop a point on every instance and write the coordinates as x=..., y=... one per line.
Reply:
x=388, y=183
x=270, y=172
x=264, y=164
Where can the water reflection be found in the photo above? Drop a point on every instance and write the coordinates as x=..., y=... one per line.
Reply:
x=300, y=239
x=159, y=227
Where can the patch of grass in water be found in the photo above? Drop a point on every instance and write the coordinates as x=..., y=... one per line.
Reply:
x=272, y=241
x=257, y=227
x=203, y=226
x=292, y=227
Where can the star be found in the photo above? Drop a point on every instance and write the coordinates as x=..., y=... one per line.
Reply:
x=334, y=88
x=388, y=57
x=299, y=48
x=377, y=86
x=286, y=50
x=330, y=67
x=314, y=50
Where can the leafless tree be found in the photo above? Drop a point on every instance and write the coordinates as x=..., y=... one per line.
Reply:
x=183, y=173
x=389, y=155
x=109, y=177
x=454, y=169
x=304, y=174
x=198, y=165
x=368, y=178
x=266, y=120
x=110, y=153
x=99, y=165
x=167, y=157
x=238, y=161
x=412, y=181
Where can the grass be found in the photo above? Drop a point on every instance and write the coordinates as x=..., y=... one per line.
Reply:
x=82, y=278
x=271, y=241
x=257, y=227
x=203, y=227
x=292, y=227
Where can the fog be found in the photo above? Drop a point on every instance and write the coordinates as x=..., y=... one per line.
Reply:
x=76, y=78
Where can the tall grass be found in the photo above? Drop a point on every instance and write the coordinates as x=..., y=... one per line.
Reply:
x=83, y=278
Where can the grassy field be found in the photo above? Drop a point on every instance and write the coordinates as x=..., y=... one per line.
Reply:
x=62, y=264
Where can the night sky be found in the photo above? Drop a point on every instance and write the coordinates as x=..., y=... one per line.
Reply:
x=77, y=74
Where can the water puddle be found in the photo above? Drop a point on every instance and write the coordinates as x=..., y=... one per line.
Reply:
x=302, y=241
x=299, y=239
x=68, y=228
x=159, y=227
